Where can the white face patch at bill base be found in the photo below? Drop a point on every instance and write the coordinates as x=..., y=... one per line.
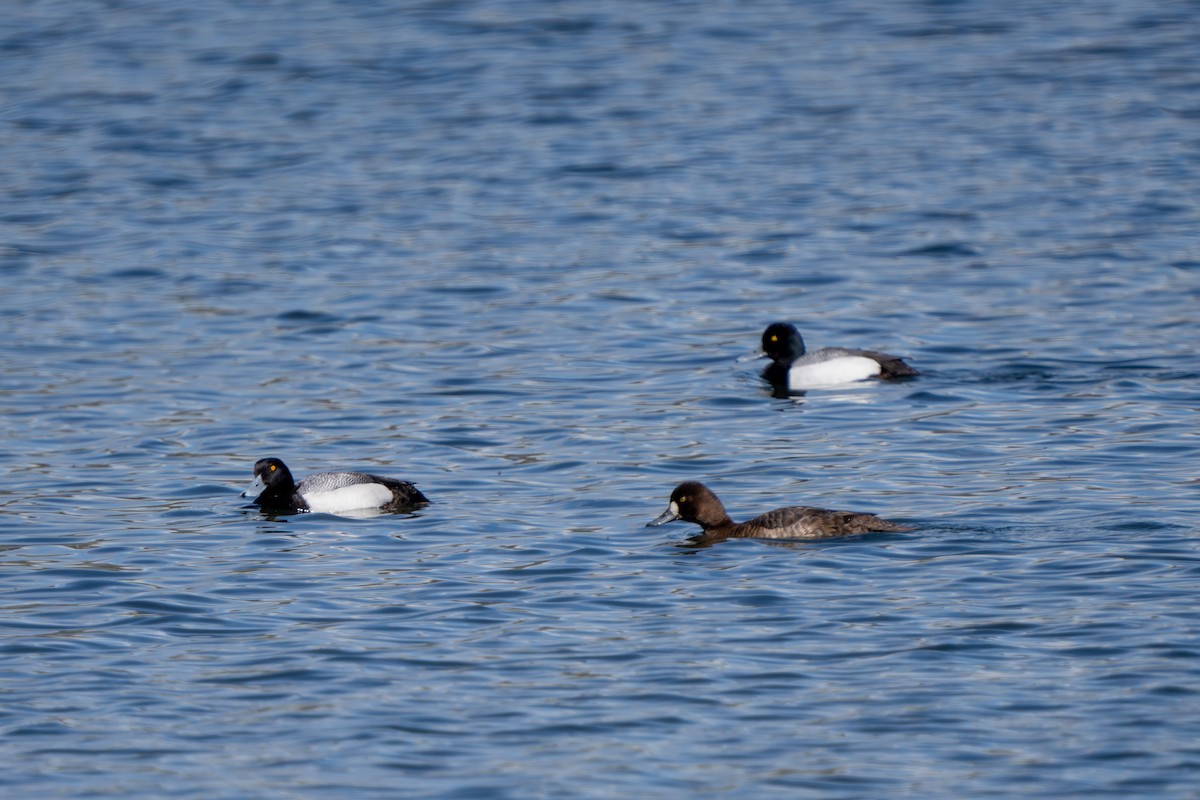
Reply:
x=670, y=515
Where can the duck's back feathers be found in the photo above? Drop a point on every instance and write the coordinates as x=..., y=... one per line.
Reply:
x=335, y=492
x=812, y=523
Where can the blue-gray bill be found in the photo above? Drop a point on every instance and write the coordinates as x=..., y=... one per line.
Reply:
x=670, y=515
x=755, y=356
x=255, y=488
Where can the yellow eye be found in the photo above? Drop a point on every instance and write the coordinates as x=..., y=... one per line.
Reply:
x=272, y=468
x=683, y=499
x=774, y=338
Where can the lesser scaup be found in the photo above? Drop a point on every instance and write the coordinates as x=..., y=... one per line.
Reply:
x=329, y=492
x=694, y=502
x=792, y=368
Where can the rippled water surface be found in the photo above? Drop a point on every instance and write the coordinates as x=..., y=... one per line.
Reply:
x=511, y=251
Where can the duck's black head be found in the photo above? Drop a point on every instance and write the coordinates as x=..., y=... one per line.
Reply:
x=782, y=343
x=274, y=473
x=276, y=481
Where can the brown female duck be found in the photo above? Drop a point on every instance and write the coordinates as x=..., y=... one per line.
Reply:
x=694, y=502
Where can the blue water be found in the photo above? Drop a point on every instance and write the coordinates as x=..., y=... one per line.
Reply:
x=511, y=251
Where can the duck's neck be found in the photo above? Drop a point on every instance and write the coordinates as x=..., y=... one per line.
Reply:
x=278, y=493
x=715, y=518
x=776, y=374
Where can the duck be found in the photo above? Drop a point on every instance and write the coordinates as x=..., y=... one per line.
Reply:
x=793, y=368
x=692, y=501
x=275, y=489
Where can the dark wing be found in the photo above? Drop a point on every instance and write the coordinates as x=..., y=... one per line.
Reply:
x=404, y=494
x=815, y=523
x=891, y=367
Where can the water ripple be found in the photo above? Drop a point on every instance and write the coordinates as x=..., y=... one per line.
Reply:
x=512, y=252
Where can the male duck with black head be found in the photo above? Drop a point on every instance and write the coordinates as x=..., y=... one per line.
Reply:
x=694, y=502
x=274, y=489
x=794, y=369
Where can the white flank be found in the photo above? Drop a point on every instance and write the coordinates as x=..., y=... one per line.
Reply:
x=843, y=369
x=349, y=498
